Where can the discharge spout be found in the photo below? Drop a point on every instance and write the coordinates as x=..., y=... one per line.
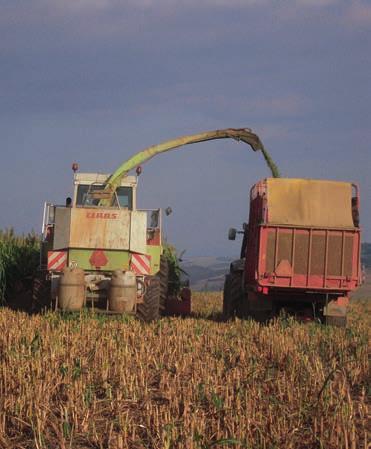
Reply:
x=239, y=134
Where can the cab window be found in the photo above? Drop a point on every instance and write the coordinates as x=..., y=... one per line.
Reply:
x=84, y=198
x=125, y=196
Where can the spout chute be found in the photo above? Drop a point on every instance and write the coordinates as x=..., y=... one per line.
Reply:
x=242, y=134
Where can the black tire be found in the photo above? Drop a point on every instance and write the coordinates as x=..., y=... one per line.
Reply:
x=261, y=316
x=149, y=309
x=232, y=295
x=164, y=283
x=337, y=321
x=41, y=294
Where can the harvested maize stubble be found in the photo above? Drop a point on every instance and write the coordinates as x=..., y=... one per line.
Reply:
x=85, y=381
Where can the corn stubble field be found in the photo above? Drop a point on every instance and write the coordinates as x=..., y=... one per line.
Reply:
x=78, y=381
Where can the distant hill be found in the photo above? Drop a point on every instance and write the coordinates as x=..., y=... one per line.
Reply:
x=207, y=273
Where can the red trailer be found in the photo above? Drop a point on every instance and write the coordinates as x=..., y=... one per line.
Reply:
x=300, y=251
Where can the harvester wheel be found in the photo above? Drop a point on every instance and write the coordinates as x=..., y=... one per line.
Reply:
x=149, y=309
x=164, y=283
x=232, y=295
x=41, y=294
x=337, y=321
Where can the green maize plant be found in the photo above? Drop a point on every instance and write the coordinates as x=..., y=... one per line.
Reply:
x=19, y=260
x=176, y=273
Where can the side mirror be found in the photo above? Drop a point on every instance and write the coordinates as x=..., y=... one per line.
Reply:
x=154, y=218
x=168, y=211
x=232, y=234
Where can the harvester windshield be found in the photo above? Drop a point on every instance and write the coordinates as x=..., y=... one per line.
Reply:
x=90, y=195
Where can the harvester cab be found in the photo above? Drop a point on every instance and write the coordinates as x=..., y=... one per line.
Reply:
x=89, y=190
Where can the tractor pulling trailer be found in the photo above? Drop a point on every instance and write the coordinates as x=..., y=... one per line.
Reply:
x=300, y=251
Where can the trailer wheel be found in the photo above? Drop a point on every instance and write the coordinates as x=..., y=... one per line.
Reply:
x=41, y=294
x=232, y=295
x=337, y=321
x=149, y=309
x=164, y=283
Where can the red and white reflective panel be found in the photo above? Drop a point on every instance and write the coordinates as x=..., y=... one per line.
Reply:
x=141, y=263
x=57, y=260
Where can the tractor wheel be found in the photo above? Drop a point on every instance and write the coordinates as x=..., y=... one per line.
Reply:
x=232, y=295
x=261, y=316
x=149, y=309
x=164, y=283
x=41, y=294
x=337, y=321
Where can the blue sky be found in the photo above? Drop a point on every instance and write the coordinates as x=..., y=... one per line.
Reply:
x=97, y=80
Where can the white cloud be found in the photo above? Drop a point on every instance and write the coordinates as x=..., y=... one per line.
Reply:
x=105, y=18
x=274, y=131
x=111, y=17
x=78, y=5
x=284, y=105
x=359, y=13
x=316, y=3
x=102, y=5
x=198, y=95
